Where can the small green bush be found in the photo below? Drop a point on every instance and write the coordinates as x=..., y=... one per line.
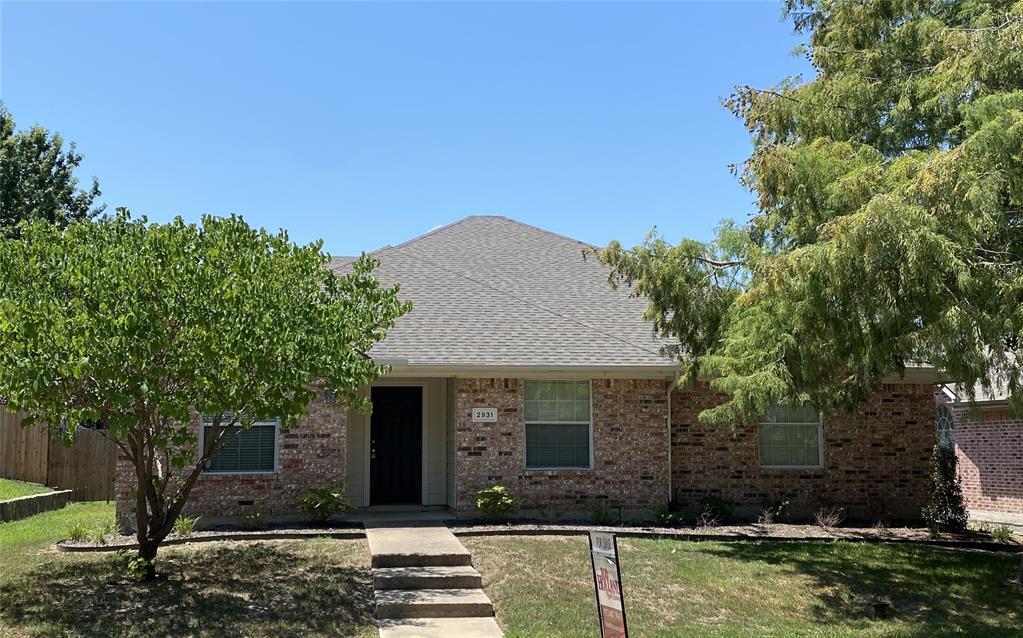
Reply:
x=98, y=533
x=185, y=525
x=253, y=521
x=323, y=502
x=1001, y=534
x=77, y=532
x=495, y=502
x=602, y=514
x=946, y=510
x=670, y=515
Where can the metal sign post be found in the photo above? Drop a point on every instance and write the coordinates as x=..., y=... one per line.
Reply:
x=607, y=583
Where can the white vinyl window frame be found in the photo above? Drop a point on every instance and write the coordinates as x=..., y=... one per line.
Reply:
x=262, y=424
x=820, y=444
x=944, y=427
x=555, y=422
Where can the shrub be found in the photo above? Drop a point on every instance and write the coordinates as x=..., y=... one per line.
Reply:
x=769, y=514
x=714, y=510
x=98, y=533
x=946, y=511
x=495, y=502
x=670, y=515
x=602, y=514
x=829, y=516
x=77, y=532
x=323, y=502
x=1001, y=534
x=185, y=525
x=253, y=521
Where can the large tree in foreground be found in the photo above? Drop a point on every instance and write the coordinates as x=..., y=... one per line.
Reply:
x=37, y=180
x=137, y=325
x=890, y=197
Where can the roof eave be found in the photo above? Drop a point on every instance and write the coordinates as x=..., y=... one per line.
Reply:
x=401, y=368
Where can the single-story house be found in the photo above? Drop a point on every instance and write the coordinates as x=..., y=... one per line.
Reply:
x=988, y=439
x=520, y=365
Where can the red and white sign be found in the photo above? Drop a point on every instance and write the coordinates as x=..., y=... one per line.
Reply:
x=607, y=581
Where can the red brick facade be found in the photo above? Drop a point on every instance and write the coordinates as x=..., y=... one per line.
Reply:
x=989, y=447
x=310, y=453
x=630, y=457
x=876, y=459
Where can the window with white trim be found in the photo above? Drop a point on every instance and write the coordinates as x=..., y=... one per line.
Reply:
x=791, y=436
x=558, y=424
x=251, y=450
x=944, y=427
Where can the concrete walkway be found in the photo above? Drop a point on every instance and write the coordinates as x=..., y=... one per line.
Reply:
x=425, y=584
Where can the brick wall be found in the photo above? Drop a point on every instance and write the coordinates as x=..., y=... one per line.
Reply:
x=989, y=447
x=310, y=453
x=875, y=459
x=629, y=440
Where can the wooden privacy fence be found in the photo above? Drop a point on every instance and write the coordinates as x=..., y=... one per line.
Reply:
x=33, y=454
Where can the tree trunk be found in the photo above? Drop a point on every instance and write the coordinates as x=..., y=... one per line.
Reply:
x=147, y=553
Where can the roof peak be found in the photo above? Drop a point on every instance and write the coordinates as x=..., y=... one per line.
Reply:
x=469, y=218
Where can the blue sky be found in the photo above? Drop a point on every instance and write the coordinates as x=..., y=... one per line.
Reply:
x=366, y=124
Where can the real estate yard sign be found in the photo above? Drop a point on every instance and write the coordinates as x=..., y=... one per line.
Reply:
x=607, y=581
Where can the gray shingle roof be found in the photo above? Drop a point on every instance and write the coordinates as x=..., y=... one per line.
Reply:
x=490, y=291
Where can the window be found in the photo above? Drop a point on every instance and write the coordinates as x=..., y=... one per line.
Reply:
x=791, y=437
x=557, y=415
x=245, y=450
x=943, y=427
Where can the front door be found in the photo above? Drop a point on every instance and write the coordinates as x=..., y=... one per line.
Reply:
x=396, y=446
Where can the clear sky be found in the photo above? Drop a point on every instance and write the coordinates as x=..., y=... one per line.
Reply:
x=366, y=124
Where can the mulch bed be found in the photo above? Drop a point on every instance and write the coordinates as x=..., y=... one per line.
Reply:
x=112, y=543
x=772, y=532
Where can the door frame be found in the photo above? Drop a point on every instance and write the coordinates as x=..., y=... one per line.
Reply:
x=424, y=431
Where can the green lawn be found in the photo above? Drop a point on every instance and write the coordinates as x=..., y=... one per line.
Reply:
x=13, y=489
x=542, y=586
x=319, y=587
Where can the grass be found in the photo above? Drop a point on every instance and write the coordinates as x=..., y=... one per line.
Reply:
x=542, y=586
x=27, y=543
x=317, y=587
x=13, y=489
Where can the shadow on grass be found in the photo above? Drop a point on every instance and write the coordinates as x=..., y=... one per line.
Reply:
x=938, y=592
x=250, y=590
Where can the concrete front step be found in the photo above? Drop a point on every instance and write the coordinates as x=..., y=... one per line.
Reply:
x=458, y=577
x=439, y=628
x=433, y=603
x=415, y=546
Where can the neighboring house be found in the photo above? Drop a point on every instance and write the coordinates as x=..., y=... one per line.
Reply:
x=988, y=439
x=520, y=365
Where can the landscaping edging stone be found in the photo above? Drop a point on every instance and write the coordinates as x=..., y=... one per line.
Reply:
x=746, y=533
x=210, y=537
x=25, y=506
x=778, y=532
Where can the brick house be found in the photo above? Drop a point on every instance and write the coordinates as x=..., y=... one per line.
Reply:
x=520, y=365
x=988, y=440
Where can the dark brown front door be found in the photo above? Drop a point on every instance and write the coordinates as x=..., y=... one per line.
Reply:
x=396, y=446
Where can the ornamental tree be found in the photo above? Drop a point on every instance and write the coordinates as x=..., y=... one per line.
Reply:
x=37, y=178
x=889, y=222
x=136, y=326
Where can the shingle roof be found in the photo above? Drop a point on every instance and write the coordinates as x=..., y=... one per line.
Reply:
x=490, y=291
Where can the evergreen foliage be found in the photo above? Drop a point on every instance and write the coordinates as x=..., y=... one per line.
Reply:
x=889, y=227
x=946, y=510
